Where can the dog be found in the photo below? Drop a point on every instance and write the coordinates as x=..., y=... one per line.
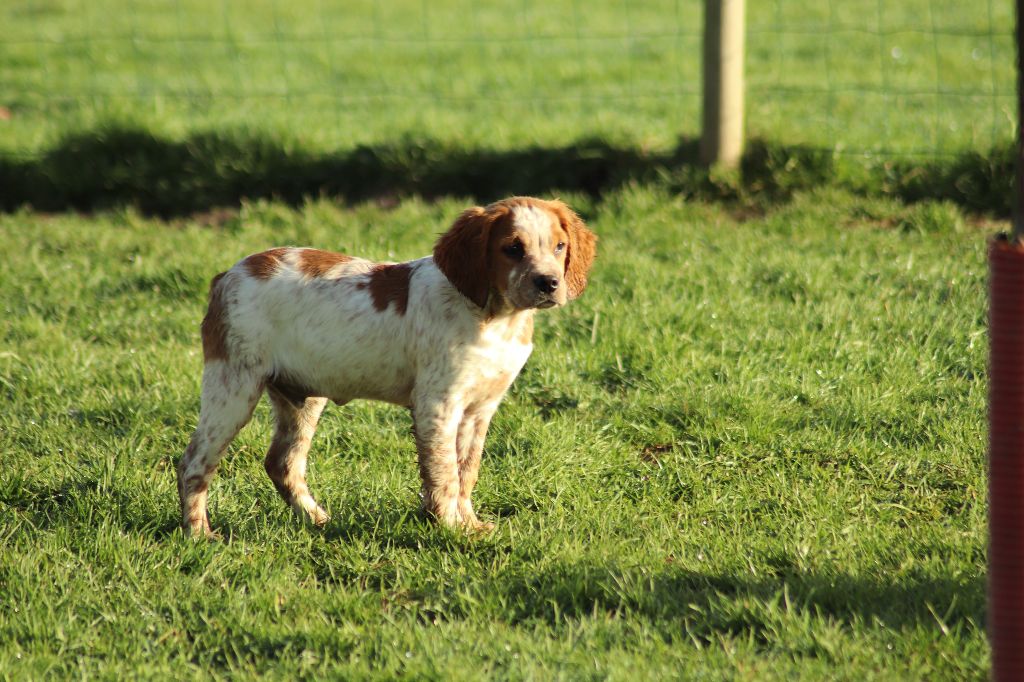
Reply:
x=444, y=335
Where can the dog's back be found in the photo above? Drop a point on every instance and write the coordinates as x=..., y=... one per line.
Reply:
x=328, y=324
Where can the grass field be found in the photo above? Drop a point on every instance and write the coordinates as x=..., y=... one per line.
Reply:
x=180, y=105
x=754, y=449
x=918, y=76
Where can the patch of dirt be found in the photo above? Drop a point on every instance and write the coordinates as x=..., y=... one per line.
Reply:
x=650, y=453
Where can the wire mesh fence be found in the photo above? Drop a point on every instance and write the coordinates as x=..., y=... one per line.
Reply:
x=876, y=77
x=920, y=78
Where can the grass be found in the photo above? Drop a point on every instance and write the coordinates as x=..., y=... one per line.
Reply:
x=180, y=106
x=916, y=77
x=130, y=167
x=754, y=449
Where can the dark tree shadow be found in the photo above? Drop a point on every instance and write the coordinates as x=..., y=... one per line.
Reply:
x=118, y=167
x=115, y=167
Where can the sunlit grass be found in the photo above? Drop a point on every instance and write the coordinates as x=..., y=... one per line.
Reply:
x=916, y=77
x=752, y=449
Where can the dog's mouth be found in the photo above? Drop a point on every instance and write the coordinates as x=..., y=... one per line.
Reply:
x=531, y=298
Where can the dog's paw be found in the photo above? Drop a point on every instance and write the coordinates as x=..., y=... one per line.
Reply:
x=202, y=533
x=478, y=527
x=319, y=518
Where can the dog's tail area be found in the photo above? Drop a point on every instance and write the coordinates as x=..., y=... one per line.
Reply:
x=214, y=328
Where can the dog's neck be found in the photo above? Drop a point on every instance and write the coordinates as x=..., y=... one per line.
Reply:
x=498, y=306
x=500, y=314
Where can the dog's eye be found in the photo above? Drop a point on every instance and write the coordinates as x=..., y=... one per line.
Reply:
x=514, y=250
x=559, y=247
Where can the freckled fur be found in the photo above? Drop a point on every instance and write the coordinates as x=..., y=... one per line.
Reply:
x=444, y=335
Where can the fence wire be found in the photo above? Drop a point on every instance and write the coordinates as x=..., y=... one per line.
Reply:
x=897, y=78
x=914, y=77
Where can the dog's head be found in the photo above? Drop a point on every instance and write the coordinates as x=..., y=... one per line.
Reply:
x=529, y=252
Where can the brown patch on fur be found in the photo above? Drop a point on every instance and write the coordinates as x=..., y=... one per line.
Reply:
x=503, y=234
x=196, y=484
x=263, y=265
x=500, y=384
x=390, y=284
x=214, y=328
x=579, y=252
x=316, y=263
x=560, y=234
x=462, y=252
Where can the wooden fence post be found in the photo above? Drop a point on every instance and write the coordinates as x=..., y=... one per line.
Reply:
x=722, y=135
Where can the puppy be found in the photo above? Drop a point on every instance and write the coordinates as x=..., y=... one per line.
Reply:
x=443, y=335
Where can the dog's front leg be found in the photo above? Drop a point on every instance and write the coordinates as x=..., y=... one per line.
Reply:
x=436, y=424
x=470, y=445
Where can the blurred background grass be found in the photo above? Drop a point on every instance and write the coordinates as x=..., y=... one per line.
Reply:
x=176, y=106
x=921, y=77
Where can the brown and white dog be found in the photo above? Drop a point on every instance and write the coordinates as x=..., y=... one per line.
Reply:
x=444, y=335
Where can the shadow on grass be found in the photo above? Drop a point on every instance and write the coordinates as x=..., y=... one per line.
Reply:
x=115, y=167
x=82, y=499
x=771, y=608
x=706, y=605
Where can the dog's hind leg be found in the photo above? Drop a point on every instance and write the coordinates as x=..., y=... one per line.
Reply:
x=229, y=395
x=286, y=460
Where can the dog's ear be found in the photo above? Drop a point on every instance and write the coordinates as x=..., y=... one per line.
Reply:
x=461, y=254
x=579, y=252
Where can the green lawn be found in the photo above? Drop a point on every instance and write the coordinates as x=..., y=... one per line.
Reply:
x=919, y=76
x=753, y=449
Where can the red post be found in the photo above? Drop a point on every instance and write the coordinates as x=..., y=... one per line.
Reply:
x=1006, y=460
x=1018, y=211
x=1006, y=426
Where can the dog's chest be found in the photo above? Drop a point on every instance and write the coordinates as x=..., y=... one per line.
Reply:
x=495, y=358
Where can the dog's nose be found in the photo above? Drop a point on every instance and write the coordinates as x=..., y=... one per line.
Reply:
x=546, y=283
